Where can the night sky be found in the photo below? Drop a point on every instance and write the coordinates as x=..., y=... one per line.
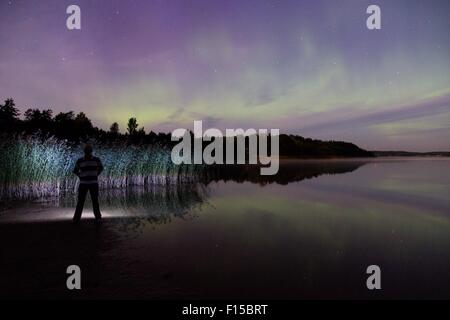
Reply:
x=305, y=67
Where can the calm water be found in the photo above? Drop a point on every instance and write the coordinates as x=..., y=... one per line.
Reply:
x=311, y=232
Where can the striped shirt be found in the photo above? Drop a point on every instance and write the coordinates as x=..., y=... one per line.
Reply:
x=88, y=170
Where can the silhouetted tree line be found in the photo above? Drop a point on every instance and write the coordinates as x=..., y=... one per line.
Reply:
x=72, y=127
x=76, y=128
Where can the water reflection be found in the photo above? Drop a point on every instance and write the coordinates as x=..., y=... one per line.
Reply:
x=158, y=204
x=134, y=205
x=314, y=229
x=158, y=201
x=289, y=171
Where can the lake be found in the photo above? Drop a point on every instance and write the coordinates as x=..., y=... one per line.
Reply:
x=309, y=232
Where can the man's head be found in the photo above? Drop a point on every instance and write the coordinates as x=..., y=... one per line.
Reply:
x=88, y=150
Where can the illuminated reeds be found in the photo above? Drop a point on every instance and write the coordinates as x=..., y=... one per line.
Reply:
x=33, y=167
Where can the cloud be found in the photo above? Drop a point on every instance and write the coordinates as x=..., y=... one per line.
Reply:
x=418, y=109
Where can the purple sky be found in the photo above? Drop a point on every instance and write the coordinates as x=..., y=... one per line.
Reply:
x=306, y=67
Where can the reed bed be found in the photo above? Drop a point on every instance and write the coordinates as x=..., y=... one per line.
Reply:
x=32, y=167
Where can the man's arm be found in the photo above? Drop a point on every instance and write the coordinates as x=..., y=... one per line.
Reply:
x=100, y=166
x=76, y=169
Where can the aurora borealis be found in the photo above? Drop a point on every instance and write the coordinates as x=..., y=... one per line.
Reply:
x=306, y=67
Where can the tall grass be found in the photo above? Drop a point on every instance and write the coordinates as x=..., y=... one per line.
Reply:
x=34, y=167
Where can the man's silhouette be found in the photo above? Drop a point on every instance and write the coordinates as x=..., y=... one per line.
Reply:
x=88, y=168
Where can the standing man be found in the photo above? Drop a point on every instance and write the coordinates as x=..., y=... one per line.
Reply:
x=88, y=168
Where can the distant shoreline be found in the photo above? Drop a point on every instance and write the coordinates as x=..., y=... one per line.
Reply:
x=411, y=154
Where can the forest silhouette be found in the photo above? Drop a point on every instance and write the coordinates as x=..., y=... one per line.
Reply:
x=77, y=128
